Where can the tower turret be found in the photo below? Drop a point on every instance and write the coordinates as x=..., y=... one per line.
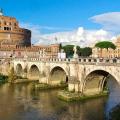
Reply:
x=1, y=11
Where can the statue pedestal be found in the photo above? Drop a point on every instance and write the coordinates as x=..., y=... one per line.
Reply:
x=75, y=56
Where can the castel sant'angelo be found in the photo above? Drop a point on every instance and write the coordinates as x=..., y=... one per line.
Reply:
x=11, y=33
x=17, y=41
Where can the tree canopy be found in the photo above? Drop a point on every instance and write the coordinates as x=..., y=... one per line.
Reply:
x=68, y=49
x=87, y=51
x=105, y=44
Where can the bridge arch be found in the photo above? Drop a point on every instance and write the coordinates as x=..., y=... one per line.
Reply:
x=34, y=72
x=96, y=80
x=58, y=75
x=19, y=69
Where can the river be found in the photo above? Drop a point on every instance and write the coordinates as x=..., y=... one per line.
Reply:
x=20, y=102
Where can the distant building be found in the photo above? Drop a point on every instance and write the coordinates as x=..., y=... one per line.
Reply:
x=107, y=53
x=49, y=51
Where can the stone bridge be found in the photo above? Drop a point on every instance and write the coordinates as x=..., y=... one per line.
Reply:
x=86, y=75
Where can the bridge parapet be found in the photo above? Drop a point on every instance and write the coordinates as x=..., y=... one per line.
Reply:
x=79, y=60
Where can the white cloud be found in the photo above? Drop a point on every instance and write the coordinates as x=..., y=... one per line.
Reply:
x=36, y=32
x=109, y=21
x=80, y=36
x=37, y=36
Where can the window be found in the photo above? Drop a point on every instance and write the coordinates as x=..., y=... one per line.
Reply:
x=5, y=23
x=4, y=28
x=7, y=28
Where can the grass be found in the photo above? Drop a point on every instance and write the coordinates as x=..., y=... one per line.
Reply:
x=70, y=96
x=23, y=80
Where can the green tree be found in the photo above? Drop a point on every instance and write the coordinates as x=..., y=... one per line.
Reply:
x=60, y=46
x=87, y=51
x=78, y=50
x=68, y=50
x=11, y=75
x=105, y=44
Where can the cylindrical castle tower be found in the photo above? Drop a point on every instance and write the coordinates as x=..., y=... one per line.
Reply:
x=11, y=34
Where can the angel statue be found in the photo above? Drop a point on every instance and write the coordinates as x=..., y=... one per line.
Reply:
x=75, y=49
x=75, y=52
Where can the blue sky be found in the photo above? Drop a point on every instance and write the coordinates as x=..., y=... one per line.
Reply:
x=60, y=15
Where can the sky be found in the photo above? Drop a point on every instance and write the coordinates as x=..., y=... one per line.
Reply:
x=82, y=22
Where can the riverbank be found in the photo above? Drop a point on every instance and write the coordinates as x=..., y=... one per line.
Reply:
x=73, y=96
x=24, y=80
x=41, y=86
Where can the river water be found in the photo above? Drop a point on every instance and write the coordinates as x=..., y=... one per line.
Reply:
x=20, y=102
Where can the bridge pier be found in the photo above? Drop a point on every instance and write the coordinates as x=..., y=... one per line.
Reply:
x=73, y=84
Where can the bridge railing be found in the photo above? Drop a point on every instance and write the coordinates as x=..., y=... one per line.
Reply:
x=80, y=60
x=98, y=60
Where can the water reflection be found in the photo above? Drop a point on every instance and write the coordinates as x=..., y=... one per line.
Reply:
x=19, y=102
x=114, y=96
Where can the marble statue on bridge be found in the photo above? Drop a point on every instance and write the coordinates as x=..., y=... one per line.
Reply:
x=75, y=55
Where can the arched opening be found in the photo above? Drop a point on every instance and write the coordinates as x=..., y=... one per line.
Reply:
x=34, y=73
x=19, y=70
x=96, y=82
x=58, y=75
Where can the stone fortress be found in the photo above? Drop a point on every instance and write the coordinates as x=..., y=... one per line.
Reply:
x=16, y=41
x=11, y=34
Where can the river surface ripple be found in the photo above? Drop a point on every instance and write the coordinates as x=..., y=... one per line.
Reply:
x=20, y=102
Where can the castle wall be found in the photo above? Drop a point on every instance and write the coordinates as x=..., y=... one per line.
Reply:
x=11, y=33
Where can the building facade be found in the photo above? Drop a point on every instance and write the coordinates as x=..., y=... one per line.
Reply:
x=48, y=51
x=107, y=53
